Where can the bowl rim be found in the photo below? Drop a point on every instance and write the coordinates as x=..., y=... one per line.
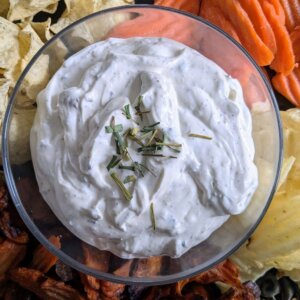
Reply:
x=161, y=279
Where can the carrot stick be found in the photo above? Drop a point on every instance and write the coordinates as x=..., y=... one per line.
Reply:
x=233, y=10
x=292, y=13
x=295, y=38
x=260, y=22
x=214, y=14
x=191, y=6
x=289, y=85
x=284, y=60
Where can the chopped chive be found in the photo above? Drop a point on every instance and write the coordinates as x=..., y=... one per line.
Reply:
x=200, y=136
x=118, y=128
x=109, y=129
x=158, y=155
x=146, y=134
x=147, y=169
x=150, y=148
x=138, y=169
x=140, y=113
x=169, y=144
x=126, y=111
x=121, y=186
x=152, y=216
x=129, y=178
x=138, y=107
x=130, y=168
x=150, y=127
x=113, y=163
x=154, y=133
x=136, y=139
x=174, y=150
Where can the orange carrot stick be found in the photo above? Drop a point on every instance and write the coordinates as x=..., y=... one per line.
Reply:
x=292, y=13
x=295, y=38
x=289, y=86
x=214, y=14
x=260, y=22
x=245, y=30
x=284, y=60
x=191, y=6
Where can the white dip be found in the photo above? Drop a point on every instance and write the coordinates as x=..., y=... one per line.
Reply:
x=192, y=195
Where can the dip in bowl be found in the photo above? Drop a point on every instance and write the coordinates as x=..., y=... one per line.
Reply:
x=225, y=170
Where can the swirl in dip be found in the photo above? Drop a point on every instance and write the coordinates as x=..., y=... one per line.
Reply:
x=183, y=134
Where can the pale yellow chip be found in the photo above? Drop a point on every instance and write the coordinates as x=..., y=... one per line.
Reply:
x=287, y=165
x=22, y=9
x=76, y=9
x=4, y=6
x=4, y=88
x=43, y=29
x=9, y=44
x=276, y=241
x=38, y=76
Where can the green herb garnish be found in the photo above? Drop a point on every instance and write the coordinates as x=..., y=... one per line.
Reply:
x=169, y=144
x=138, y=107
x=152, y=216
x=116, y=128
x=154, y=133
x=200, y=136
x=129, y=178
x=121, y=186
x=158, y=155
x=150, y=148
x=120, y=145
x=113, y=163
x=126, y=112
x=150, y=127
x=129, y=168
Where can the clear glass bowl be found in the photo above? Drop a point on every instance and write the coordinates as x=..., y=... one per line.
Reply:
x=208, y=40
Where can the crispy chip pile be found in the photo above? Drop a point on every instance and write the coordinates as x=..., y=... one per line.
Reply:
x=276, y=241
x=21, y=37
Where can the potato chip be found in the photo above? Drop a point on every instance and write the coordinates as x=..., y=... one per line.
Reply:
x=9, y=48
x=4, y=88
x=22, y=9
x=276, y=241
x=43, y=29
x=76, y=9
x=4, y=6
x=287, y=165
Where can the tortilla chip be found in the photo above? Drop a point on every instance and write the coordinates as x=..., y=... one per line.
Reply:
x=77, y=9
x=22, y=9
x=4, y=88
x=38, y=77
x=9, y=48
x=43, y=29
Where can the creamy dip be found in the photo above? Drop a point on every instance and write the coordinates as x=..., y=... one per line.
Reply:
x=189, y=196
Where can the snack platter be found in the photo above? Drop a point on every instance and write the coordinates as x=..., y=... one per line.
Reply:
x=266, y=267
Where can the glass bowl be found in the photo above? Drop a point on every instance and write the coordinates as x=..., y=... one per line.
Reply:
x=205, y=38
